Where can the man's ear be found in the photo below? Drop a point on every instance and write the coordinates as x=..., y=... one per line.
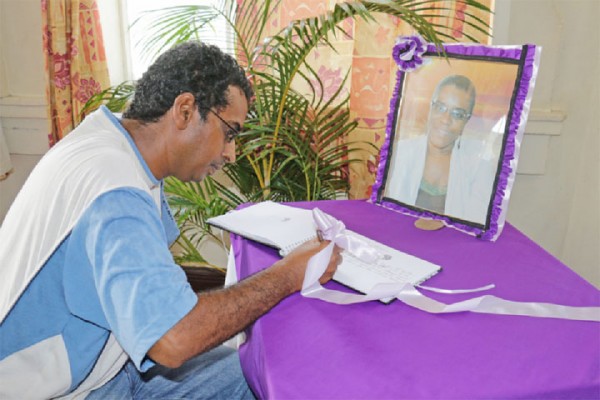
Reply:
x=183, y=109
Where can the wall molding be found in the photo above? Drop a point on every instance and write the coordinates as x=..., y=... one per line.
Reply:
x=24, y=121
x=25, y=124
x=23, y=107
x=542, y=126
x=545, y=122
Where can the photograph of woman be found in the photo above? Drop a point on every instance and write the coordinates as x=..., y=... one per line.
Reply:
x=453, y=134
x=442, y=170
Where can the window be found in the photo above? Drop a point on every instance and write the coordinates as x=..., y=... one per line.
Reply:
x=121, y=37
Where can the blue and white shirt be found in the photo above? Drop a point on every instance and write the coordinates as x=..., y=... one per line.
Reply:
x=111, y=274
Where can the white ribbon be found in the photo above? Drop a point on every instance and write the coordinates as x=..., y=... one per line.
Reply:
x=334, y=231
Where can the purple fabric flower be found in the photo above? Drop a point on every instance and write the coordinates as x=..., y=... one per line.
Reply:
x=407, y=52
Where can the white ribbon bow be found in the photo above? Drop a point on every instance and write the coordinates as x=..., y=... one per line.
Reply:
x=335, y=231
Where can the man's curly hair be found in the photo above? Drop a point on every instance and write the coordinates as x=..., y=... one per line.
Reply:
x=198, y=68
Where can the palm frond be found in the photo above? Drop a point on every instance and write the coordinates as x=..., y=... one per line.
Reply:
x=114, y=98
x=295, y=145
x=193, y=203
x=169, y=26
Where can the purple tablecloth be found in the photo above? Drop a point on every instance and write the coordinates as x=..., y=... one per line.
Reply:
x=310, y=349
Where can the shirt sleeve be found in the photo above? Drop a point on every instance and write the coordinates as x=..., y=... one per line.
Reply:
x=141, y=291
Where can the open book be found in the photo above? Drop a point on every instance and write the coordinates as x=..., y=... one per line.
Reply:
x=285, y=228
x=270, y=223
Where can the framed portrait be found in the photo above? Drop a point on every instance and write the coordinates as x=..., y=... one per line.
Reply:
x=454, y=129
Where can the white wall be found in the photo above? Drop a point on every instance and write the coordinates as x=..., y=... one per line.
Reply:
x=559, y=208
x=22, y=91
x=555, y=199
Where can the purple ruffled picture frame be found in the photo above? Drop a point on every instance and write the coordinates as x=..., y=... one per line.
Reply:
x=410, y=53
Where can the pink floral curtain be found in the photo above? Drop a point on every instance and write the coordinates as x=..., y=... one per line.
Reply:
x=367, y=51
x=75, y=64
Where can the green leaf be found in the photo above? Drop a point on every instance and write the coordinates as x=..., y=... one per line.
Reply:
x=295, y=146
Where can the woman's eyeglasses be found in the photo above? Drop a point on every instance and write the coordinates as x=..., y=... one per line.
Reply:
x=231, y=132
x=457, y=114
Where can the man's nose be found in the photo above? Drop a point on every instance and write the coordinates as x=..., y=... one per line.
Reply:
x=229, y=152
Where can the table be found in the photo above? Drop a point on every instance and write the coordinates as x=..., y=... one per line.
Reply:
x=309, y=349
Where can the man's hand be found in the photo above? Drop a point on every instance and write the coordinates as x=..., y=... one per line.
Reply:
x=298, y=260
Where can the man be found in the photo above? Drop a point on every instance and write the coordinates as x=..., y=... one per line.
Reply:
x=91, y=302
x=442, y=171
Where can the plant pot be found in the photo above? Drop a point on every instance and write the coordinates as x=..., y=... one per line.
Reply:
x=204, y=278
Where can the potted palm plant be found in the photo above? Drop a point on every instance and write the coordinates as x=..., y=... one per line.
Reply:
x=295, y=145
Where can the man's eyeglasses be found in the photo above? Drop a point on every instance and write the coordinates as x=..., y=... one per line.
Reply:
x=231, y=132
x=457, y=114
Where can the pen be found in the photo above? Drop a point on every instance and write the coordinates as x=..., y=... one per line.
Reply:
x=319, y=235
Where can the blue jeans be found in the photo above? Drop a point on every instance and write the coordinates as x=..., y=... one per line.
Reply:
x=215, y=374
